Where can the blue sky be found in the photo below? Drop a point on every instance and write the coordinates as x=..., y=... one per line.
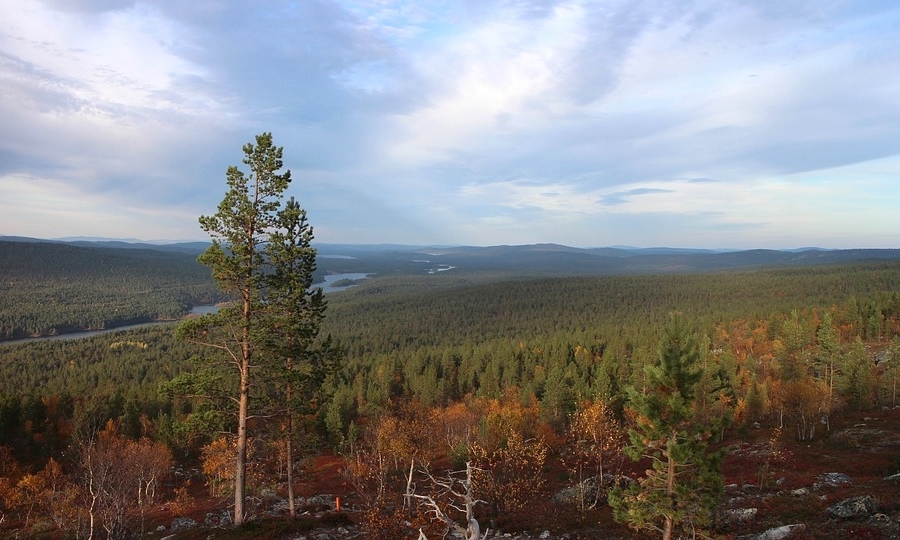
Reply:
x=716, y=124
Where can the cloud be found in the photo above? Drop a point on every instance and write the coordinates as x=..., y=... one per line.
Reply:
x=88, y=6
x=622, y=197
x=487, y=121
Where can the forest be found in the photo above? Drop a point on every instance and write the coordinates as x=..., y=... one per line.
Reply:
x=527, y=379
x=54, y=288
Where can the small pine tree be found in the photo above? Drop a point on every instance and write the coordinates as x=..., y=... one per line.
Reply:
x=859, y=377
x=685, y=481
x=755, y=400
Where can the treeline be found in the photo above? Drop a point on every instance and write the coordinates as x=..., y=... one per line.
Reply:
x=50, y=288
x=131, y=361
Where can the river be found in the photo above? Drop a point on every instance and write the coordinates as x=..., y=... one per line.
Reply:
x=196, y=310
x=83, y=334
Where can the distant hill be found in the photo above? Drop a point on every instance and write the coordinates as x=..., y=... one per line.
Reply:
x=554, y=259
x=54, y=287
x=194, y=248
x=183, y=247
x=526, y=260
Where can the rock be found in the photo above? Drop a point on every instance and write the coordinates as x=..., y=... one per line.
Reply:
x=281, y=506
x=572, y=494
x=319, y=500
x=893, y=478
x=545, y=534
x=853, y=508
x=182, y=523
x=800, y=492
x=780, y=533
x=832, y=479
x=215, y=519
x=740, y=515
x=161, y=528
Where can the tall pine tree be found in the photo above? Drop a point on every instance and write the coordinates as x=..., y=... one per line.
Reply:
x=294, y=312
x=239, y=231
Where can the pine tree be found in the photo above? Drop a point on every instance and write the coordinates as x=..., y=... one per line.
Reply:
x=891, y=375
x=755, y=400
x=239, y=231
x=685, y=481
x=293, y=316
x=828, y=354
x=859, y=376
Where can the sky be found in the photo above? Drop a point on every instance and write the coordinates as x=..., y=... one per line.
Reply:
x=689, y=123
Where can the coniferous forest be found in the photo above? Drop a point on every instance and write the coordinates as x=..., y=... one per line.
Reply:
x=54, y=288
x=528, y=379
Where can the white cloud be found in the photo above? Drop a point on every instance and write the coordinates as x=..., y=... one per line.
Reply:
x=570, y=121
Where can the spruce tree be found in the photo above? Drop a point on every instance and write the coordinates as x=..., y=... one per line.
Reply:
x=682, y=487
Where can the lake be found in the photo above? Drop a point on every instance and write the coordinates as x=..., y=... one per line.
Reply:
x=327, y=287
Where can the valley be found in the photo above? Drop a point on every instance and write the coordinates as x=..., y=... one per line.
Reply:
x=446, y=366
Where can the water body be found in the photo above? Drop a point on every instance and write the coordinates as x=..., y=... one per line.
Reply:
x=84, y=334
x=204, y=310
x=327, y=287
x=196, y=310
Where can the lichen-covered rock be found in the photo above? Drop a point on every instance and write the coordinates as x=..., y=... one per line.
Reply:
x=853, y=508
x=218, y=519
x=182, y=523
x=739, y=516
x=832, y=479
x=573, y=494
x=781, y=533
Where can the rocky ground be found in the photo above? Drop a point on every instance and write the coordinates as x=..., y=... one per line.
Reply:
x=843, y=484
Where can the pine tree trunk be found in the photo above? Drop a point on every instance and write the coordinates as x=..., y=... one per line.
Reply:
x=240, y=472
x=289, y=450
x=670, y=491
